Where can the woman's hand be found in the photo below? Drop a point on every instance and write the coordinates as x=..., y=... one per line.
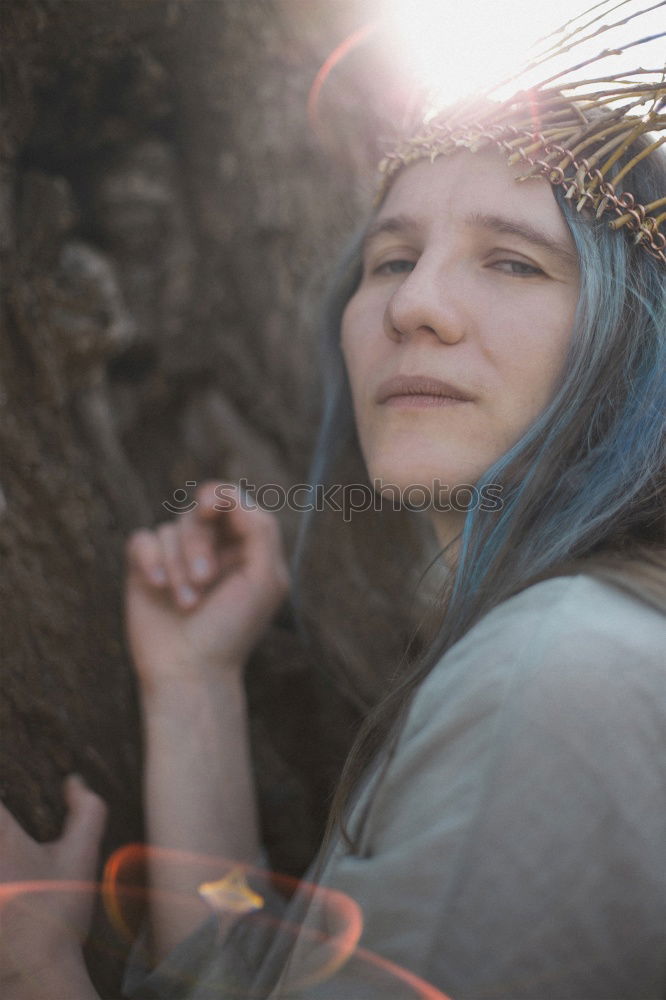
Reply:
x=200, y=591
x=42, y=930
x=202, y=588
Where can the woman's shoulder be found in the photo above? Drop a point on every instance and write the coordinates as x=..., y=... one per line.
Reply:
x=553, y=705
x=585, y=614
x=572, y=644
x=562, y=685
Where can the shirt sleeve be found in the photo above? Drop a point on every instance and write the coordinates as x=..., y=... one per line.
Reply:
x=516, y=846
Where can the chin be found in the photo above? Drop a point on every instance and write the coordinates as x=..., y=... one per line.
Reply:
x=420, y=474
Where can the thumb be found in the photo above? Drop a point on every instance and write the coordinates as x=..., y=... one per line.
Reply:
x=83, y=827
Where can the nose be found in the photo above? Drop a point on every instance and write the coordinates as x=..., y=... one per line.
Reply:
x=426, y=302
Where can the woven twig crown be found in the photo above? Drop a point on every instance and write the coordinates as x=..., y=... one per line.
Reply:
x=586, y=135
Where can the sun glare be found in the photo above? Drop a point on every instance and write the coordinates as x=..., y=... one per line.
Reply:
x=452, y=48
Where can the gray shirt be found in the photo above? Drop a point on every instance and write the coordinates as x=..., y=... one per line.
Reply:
x=514, y=844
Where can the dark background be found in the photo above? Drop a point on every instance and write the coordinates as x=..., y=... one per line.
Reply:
x=168, y=221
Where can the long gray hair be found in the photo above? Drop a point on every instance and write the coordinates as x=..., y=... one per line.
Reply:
x=583, y=489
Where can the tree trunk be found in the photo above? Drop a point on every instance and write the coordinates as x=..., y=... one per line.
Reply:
x=169, y=220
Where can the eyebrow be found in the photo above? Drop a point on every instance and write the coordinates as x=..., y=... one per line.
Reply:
x=401, y=224
x=525, y=231
x=393, y=225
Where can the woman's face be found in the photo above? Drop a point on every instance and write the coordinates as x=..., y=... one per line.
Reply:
x=456, y=336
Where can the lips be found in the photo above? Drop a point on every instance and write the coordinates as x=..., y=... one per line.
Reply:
x=420, y=385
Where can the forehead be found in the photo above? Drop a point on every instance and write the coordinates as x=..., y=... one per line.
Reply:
x=467, y=183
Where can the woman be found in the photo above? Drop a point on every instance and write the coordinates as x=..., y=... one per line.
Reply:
x=506, y=834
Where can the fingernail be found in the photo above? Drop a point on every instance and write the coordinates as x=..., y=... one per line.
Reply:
x=158, y=575
x=187, y=595
x=201, y=567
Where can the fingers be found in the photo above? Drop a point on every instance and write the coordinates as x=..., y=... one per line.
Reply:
x=216, y=499
x=83, y=827
x=257, y=530
x=144, y=556
x=186, y=555
x=157, y=558
x=193, y=556
x=176, y=566
x=207, y=546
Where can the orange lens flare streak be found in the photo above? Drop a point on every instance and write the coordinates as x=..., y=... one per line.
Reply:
x=329, y=64
x=422, y=989
x=121, y=888
x=334, y=950
x=12, y=890
x=329, y=949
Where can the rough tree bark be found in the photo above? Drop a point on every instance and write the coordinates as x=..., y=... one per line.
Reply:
x=168, y=221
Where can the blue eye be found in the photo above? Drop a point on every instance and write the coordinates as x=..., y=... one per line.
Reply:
x=397, y=266
x=519, y=268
